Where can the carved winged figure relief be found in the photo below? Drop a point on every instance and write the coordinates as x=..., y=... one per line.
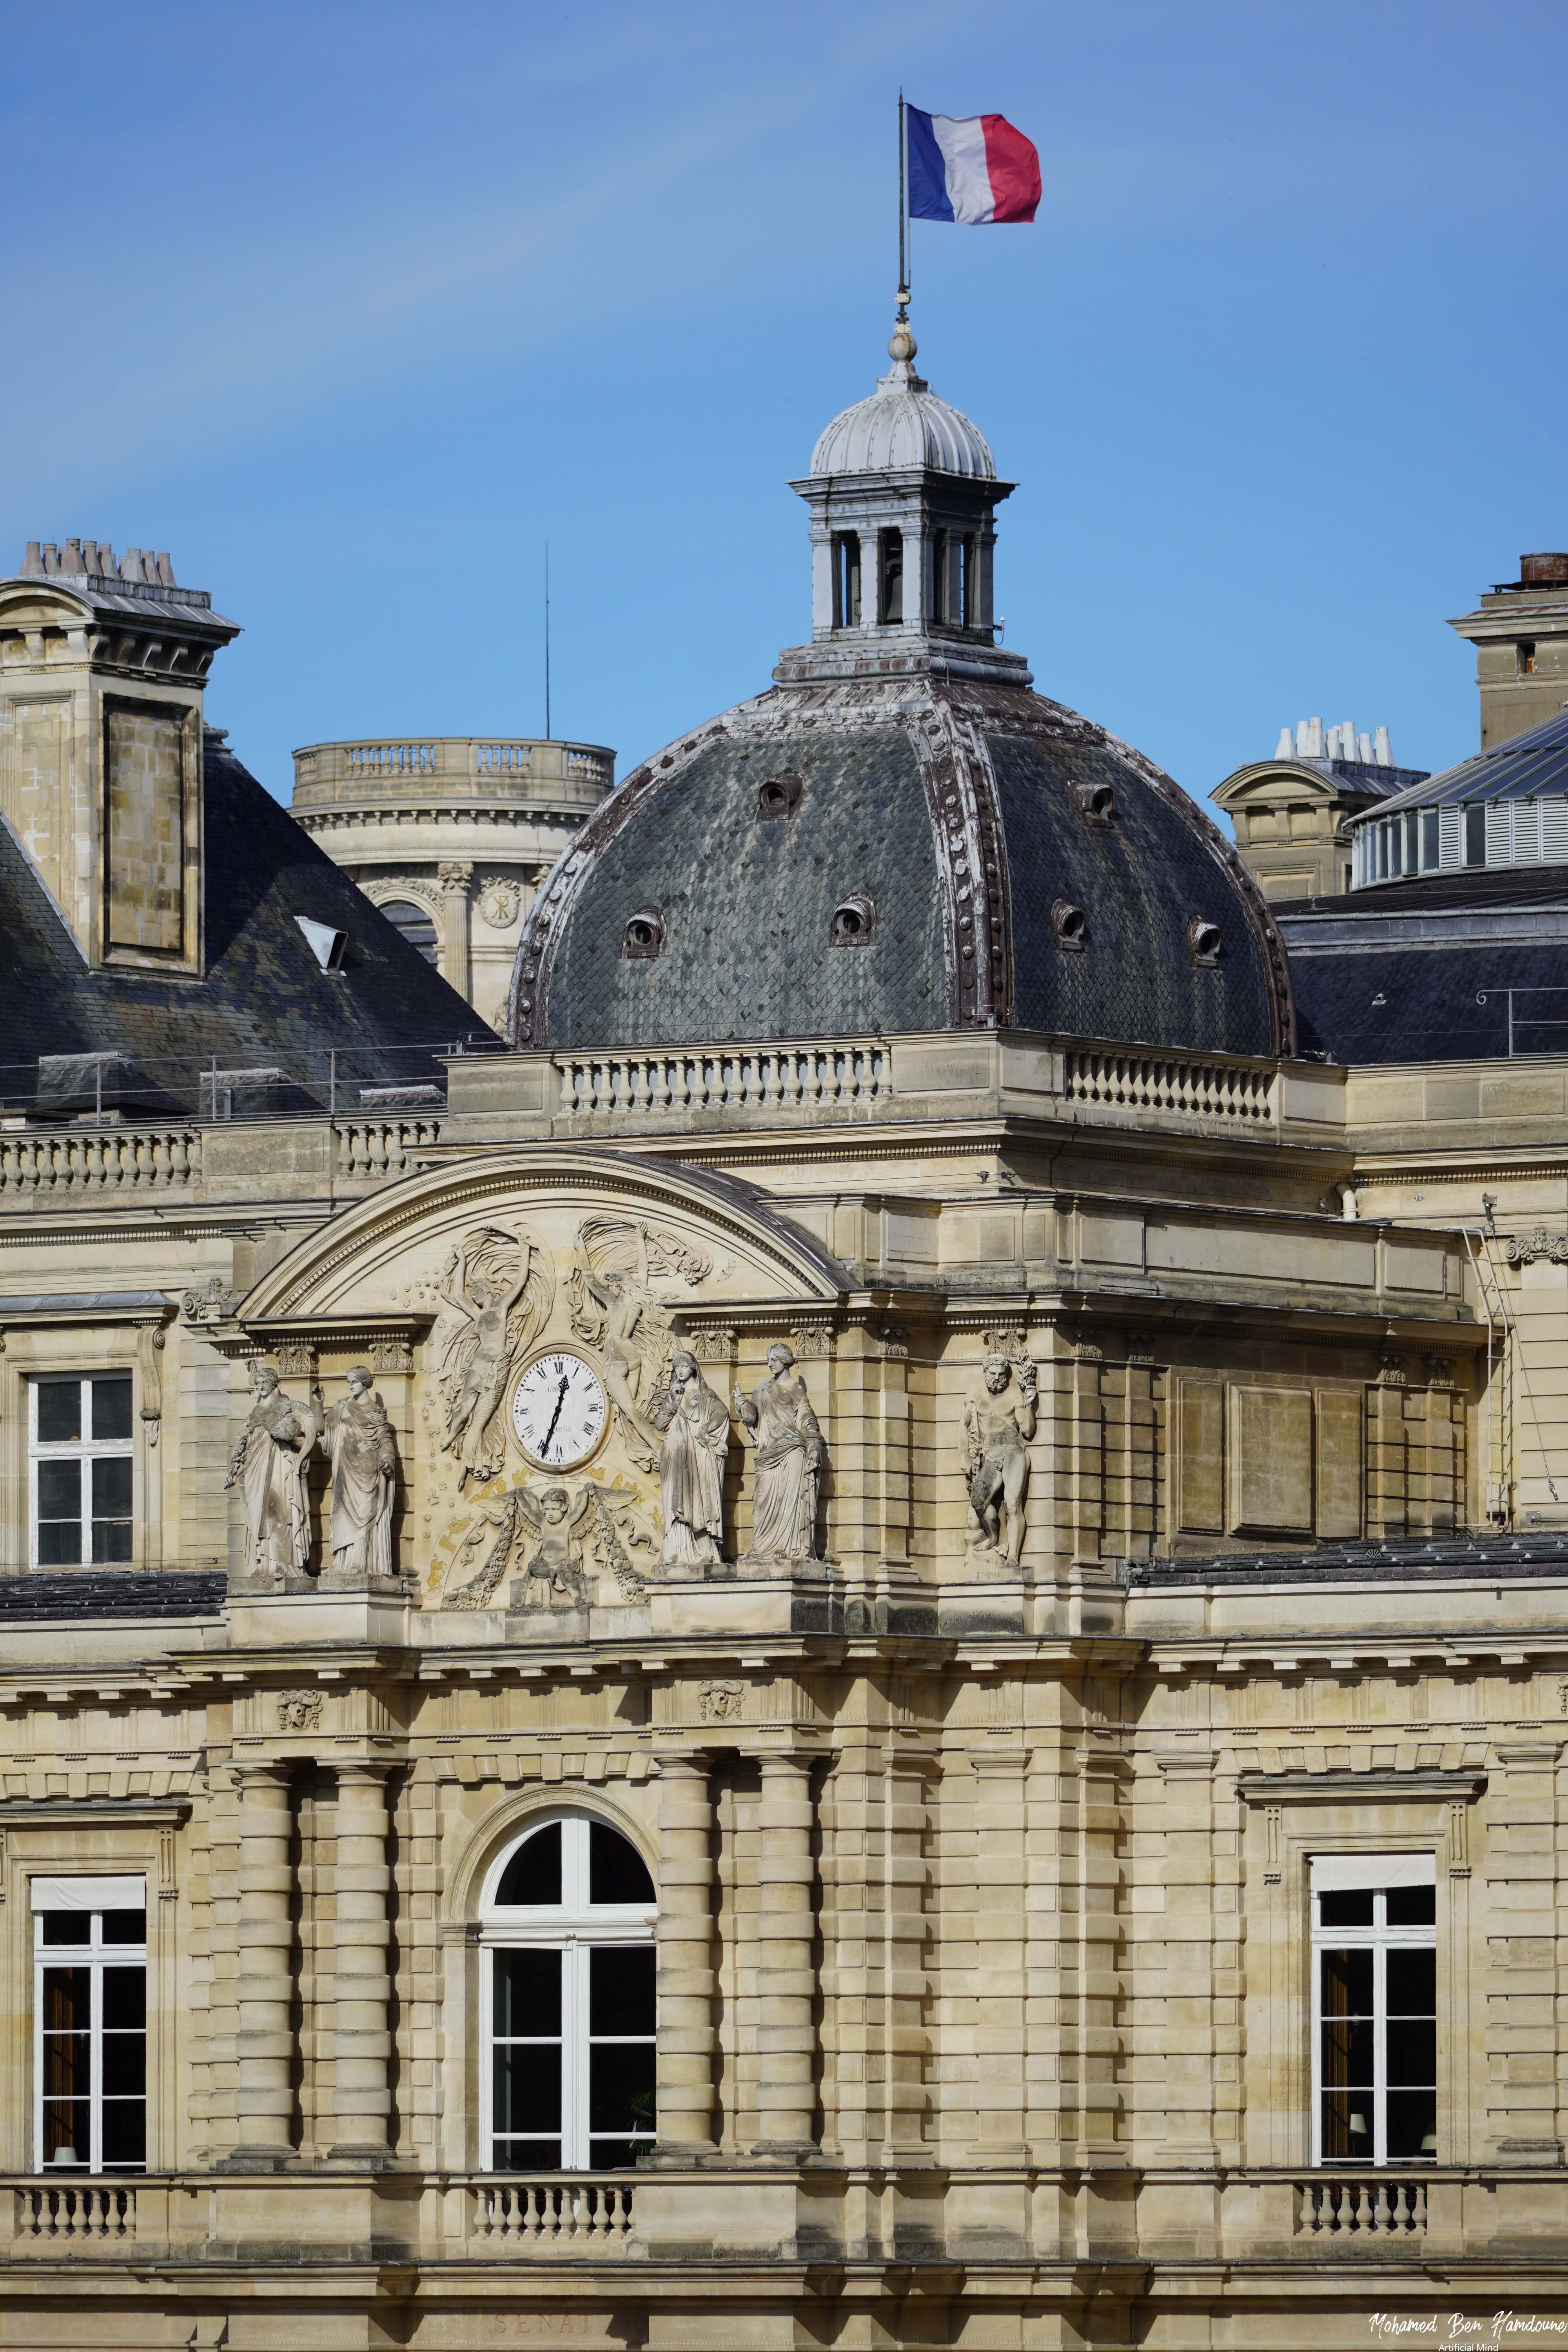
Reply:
x=615, y=1308
x=497, y=1290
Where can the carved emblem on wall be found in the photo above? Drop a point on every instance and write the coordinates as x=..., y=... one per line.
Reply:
x=788, y=1454
x=999, y=1414
x=892, y=1339
x=297, y=1357
x=392, y=1356
x=1391, y=1371
x=721, y=1702
x=812, y=1339
x=213, y=1303
x=714, y=1343
x=497, y=1290
x=500, y=902
x=149, y=1348
x=1524, y=1249
x=298, y=1711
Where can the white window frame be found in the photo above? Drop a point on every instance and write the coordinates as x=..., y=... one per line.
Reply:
x=1374, y=1873
x=84, y=1450
x=575, y=1928
x=90, y=1899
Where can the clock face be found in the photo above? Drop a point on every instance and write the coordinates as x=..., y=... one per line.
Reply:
x=558, y=1409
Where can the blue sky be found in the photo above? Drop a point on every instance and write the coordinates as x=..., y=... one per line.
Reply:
x=354, y=307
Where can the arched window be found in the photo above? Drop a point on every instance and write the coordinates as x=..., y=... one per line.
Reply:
x=416, y=924
x=567, y=1959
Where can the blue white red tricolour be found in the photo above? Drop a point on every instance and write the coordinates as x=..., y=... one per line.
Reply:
x=971, y=169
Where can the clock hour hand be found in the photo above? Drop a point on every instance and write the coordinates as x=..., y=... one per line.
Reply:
x=565, y=1383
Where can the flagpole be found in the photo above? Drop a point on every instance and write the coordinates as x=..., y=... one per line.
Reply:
x=903, y=234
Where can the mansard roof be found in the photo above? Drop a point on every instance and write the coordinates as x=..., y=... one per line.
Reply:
x=262, y=1000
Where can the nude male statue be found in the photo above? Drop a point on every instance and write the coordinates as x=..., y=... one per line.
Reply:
x=998, y=1422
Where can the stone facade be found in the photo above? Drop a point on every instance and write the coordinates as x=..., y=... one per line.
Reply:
x=982, y=1885
x=1520, y=632
x=458, y=830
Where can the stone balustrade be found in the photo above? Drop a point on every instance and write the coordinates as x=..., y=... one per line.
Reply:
x=751, y=2210
x=331, y=775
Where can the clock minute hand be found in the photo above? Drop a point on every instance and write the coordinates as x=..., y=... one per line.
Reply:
x=565, y=1383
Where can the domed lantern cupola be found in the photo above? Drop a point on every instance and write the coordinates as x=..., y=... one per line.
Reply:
x=902, y=491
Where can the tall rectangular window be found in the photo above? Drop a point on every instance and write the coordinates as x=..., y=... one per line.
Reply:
x=79, y=1470
x=1375, y=2013
x=941, y=586
x=890, y=595
x=967, y=602
x=90, y=1959
x=1476, y=834
x=143, y=758
x=1430, y=851
x=846, y=580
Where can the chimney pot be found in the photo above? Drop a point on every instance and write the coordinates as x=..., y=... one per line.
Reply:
x=166, y=570
x=32, y=562
x=71, y=560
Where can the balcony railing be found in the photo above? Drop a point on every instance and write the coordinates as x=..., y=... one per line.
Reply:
x=741, y=1078
x=1370, y=2205
x=553, y=2216
x=89, y=2219
x=100, y=1160
x=1226, y=1091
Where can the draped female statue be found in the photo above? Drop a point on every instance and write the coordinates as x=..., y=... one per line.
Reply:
x=778, y=1417
x=364, y=1480
x=695, y=1429
x=269, y=1464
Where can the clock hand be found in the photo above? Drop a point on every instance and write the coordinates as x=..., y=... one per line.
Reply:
x=565, y=1383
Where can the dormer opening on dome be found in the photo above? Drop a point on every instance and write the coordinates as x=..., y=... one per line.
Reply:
x=902, y=492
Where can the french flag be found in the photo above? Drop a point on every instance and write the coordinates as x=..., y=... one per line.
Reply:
x=971, y=169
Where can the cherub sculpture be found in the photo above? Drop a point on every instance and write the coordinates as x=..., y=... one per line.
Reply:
x=555, y=1571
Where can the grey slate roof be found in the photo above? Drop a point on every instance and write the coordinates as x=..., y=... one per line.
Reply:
x=886, y=768
x=1520, y=769
x=263, y=1001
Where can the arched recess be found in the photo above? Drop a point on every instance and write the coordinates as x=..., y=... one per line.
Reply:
x=416, y=910
x=549, y=1913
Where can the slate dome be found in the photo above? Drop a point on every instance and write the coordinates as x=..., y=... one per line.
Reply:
x=899, y=835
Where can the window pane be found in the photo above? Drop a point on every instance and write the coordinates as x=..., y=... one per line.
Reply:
x=620, y=1989
x=1412, y=2051
x=533, y=1874
x=124, y=2000
x=66, y=2131
x=1347, y=1984
x=527, y=1999
x=67, y=1926
x=124, y=2134
x=527, y=2155
x=59, y=1490
x=59, y=1543
x=616, y=2155
x=1350, y=1908
x=1347, y=2054
x=59, y=1412
x=124, y=2065
x=1347, y=2125
x=112, y=1407
x=1412, y=1984
x=616, y=1870
x=124, y=1927
x=67, y=2000
x=620, y=2086
x=527, y=2087
x=111, y=1487
x=1412, y=1906
x=1412, y=2125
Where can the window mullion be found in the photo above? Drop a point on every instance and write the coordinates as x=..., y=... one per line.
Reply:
x=1380, y=2051
x=94, y=2067
x=575, y=2056
x=487, y=2060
